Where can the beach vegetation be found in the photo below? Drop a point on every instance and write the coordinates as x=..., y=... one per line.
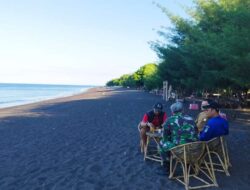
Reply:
x=207, y=52
x=146, y=77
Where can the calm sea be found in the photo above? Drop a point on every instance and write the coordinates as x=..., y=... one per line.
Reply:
x=18, y=94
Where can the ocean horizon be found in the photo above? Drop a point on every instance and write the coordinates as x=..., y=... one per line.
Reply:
x=14, y=94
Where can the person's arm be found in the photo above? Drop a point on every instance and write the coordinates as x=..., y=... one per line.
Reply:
x=206, y=133
x=144, y=121
x=164, y=119
x=201, y=120
x=147, y=123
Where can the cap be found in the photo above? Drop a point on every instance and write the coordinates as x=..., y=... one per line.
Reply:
x=176, y=107
x=212, y=104
x=158, y=106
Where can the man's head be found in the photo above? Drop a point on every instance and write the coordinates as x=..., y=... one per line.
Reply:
x=204, y=103
x=158, y=108
x=176, y=107
x=212, y=109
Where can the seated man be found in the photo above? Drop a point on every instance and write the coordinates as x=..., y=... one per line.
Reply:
x=179, y=129
x=202, y=117
x=151, y=121
x=216, y=125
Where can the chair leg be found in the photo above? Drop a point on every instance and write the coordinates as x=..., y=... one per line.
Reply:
x=146, y=148
x=224, y=163
x=187, y=176
x=227, y=155
x=185, y=181
x=171, y=168
x=186, y=170
x=211, y=167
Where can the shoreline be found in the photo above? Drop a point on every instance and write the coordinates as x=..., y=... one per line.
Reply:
x=91, y=93
x=21, y=94
x=24, y=109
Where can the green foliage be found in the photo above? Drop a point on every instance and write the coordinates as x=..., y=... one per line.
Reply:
x=114, y=82
x=211, y=50
x=146, y=77
x=149, y=76
x=208, y=52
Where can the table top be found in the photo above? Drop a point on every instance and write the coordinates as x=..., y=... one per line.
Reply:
x=155, y=134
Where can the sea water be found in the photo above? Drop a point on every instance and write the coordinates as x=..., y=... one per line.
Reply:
x=19, y=94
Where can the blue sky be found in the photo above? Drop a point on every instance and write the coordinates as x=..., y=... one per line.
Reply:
x=78, y=41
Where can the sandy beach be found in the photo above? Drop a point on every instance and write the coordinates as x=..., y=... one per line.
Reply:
x=90, y=141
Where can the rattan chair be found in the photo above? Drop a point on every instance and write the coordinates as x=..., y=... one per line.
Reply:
x=151, y=150
x=190, y=156
x=219, y=153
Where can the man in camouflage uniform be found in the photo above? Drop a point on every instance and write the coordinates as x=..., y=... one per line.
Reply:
x=179, y=129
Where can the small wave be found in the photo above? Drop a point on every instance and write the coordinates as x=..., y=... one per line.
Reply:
x=20, y=94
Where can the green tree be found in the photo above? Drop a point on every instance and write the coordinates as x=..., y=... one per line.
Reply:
x=114, y=82
x=209, y=51
x=146, y=76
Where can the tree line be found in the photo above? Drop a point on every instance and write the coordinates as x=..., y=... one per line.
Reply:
x=208, y=52
x=145, y=77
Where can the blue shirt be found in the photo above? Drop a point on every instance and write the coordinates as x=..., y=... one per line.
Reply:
x=215, y=127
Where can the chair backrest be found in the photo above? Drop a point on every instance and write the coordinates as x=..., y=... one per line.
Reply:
x=191, y=152
x=217, y=144
x=214, y=144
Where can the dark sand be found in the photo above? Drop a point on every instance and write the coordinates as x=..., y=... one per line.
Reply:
x=91, y=141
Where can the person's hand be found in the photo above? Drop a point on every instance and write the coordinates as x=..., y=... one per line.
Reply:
x=151, y=126
x=152, y=129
